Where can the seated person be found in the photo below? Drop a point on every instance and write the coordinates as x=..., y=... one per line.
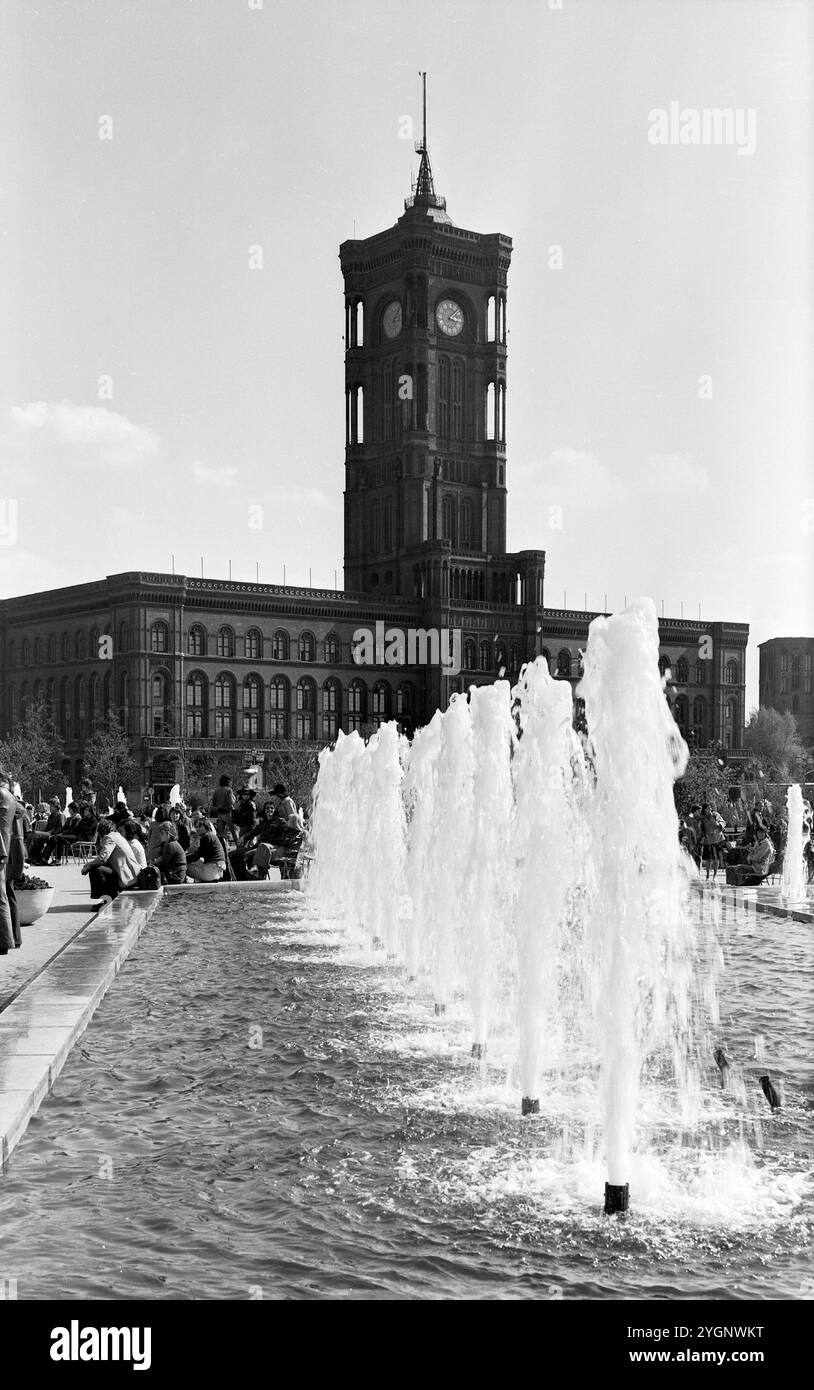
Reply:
x=115, y=866
x=59, y=844
x=44, y=828
x=170, y=860
x=266, y=833
x=131, y=832
x=761, y=854
x=159, y=834
x=207, y=863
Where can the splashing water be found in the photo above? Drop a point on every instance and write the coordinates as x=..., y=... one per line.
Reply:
x=533, y=880
x=793, y=879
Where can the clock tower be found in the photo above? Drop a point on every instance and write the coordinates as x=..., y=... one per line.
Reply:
x=425, y=394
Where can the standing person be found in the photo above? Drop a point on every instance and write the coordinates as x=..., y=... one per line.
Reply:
x=222, y=808
x=246, y=817
x=12, y=862
x=115, y=866
x=712, y=832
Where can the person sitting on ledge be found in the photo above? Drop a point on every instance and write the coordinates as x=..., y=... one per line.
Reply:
x=206, y=864
x=171, y=861
x=761, y=855
x=115, y=866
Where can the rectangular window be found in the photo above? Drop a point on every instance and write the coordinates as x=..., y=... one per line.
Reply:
x=223, y=723
x=277, y=726
x=329, y=726
x=807, y=673
x=194, y=723
x=305, y=725
x=251, y=724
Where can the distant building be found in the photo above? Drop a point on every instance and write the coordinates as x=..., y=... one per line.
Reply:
x=785, y=679
x=204, y=665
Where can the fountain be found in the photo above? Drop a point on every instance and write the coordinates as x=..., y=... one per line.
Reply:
x=534, y=877
x=793, y=878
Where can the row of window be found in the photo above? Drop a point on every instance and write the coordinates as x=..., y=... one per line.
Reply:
x=403, y=406
x=684, y=673
x=794, y=674
x=495, y=316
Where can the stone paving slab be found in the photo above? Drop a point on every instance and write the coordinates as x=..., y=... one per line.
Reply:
x=69, y=913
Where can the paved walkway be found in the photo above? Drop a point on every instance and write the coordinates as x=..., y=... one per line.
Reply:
x=51, y=988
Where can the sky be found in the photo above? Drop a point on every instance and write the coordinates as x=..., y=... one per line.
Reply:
x=164, y=394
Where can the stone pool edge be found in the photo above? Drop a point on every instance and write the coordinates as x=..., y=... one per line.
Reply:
x=42, y=1023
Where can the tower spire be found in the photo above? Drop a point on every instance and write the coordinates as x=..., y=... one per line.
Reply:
x=424, y=188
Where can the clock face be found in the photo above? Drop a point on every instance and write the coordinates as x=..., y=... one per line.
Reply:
x=392, y=319
x=450, y=317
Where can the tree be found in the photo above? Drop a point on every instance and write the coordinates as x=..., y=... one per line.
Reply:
x=296, y=766
x=773, y=741
x=32, y=753
x=704, y=780
x=108, y=758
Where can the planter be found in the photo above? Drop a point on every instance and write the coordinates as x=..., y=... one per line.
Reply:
x=33, y=903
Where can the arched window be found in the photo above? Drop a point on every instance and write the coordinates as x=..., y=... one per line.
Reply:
x=405, y=701
x=501, y=326
x=357, y=704
x=93, y=702
x=225, y=646
x=466, y=524
x=331, y=707
x=81, y=646
x=470, y=655
x=795, y=672
x=682, y=670
x=65, y=711
x=730, y=723
x=252, y=707
x=279, y=646
x=94, y=644
x=700, y=672
x=254, y=645
x=307, y=647
x=443, y=397
x=358, y=338
x=490, y=411
x=457, y=400
x=26, y=652
x=731, y=673
x=564, y=664
x=485, y=653
x=224, y=704
x=159, y=688
x=515, y=657
x=380, y=703
x=52, y=649
x=159, y=638
x=448, y=518
x=196, y=641
x=491, y=328
x=331, y=649
x=699, y=721
x=80, y=707
x=278, y=707
x=665, y=664
x=500, y=424
x=38, y=651
x=196, y=721
x=306, y=707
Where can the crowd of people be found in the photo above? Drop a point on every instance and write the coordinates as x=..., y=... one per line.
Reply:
x=125, y=850
x=752, y=850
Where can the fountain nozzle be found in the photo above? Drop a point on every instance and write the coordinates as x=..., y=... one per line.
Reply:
x=617, y=1198
x=529, y=1106
x=479, y=1050
x=722, y=1063
x=440, y=1009
x=769, y=1092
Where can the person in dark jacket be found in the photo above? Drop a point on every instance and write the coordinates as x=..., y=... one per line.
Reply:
x=207, y=864
x=8, y=905
x=171, y=861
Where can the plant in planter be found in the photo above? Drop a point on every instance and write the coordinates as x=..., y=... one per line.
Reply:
x=34, y=897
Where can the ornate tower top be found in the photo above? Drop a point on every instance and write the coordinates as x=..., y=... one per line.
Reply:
x=424, y=194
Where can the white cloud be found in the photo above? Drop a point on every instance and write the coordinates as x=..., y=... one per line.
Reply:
x=85, y=436
x=222, y=475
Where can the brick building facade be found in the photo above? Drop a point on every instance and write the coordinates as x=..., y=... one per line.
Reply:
x=233, y=668
x=785, y=679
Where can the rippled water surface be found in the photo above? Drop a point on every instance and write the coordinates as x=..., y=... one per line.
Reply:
x=260, y=1109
